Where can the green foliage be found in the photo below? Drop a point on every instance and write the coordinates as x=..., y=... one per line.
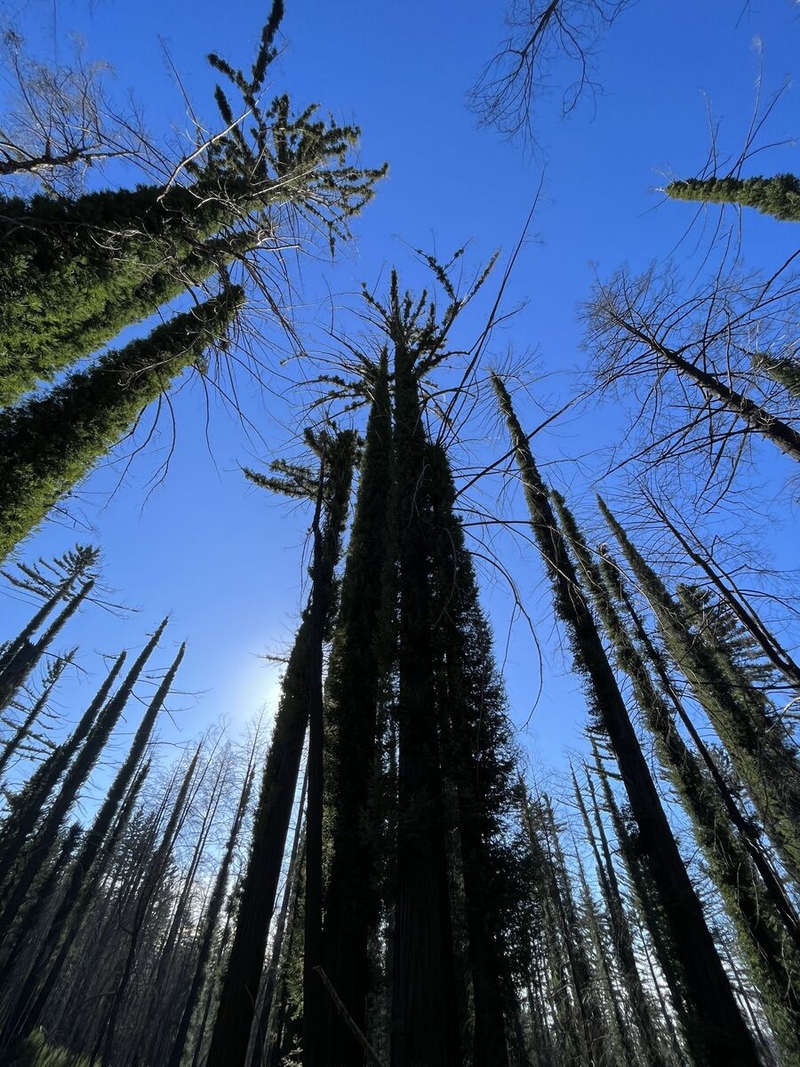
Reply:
x=47, y=445
x=74, y=273
x=784, y=370
x=778, y=196
x=36, y=1052
x=764, y=943
x=761, y=753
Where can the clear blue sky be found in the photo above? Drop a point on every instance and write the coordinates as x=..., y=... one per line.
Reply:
x=227, y=561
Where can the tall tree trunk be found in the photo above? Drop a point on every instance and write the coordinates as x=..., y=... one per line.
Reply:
x=76, y=776
x=355, y=665
x=765, y=761
x=33, y=993
x=424, y=1016
x=716, y=1026
x=28, y=804
x=239, y=992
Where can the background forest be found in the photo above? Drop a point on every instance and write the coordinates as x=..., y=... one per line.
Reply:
x=399, y=628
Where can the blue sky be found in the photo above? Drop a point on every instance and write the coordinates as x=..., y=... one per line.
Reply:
x=227, y=561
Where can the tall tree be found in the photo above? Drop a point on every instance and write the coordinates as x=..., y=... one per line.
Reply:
x=21, y=655
x=766, y=947
x=424, y=1015
x=32, y=857
x=778, y=196
x=763, y=757
x=716, y=1021
x=356, y=663
x=34, y=991
x=478, y=763
x=76, y=271
x=239, y=992
x=47, y=445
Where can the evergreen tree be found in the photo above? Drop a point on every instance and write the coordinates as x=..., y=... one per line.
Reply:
x=477, y=761
x=424, y=1018
x=748, y=828
x=82, y=877
x=75, y=272
x=356, y=662
x=785, y=370
x=22, y=735
x=761, y=754
x=778, y=196
x=716, y=1021
x=766, y=948
x=48, y=445
x=22, y=655
x=239, y=992
x=33, y=855
x=27, y=805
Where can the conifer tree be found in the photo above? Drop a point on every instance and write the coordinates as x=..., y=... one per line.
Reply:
x=785, y=370
x=31, y=857
x=73, y=273
x=748, y=828
x=761, y=754
x=716, y=1021
x=52, y=582
x=22, y=733
x=355, y=665
x=34, y=991
x=239, y=991
x=765, y=946
x=48, y=445
x=778, y=196
x=22, y=655
x=27, y=805
x=423, y=981
x=477, y=762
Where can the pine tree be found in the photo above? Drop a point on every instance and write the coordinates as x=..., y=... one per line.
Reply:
x=766, y=948
x=477, y=761
x=48, y=445
x=22, y=735
x=785, y=370
x=26, y=806
x=778, y=196
x=424, y=1018
x=81, y=880
x=21, y=656
x=73, y=273
x=239, y=991
x=355, y=666
x=31, y=857
x=716, y=1021
x=750, y=832
x=76, y=273
x=762, y=756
